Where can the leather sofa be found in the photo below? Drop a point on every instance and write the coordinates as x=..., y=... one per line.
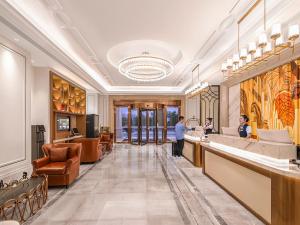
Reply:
x=106, y=139
x=91, y=149
x=61, y=162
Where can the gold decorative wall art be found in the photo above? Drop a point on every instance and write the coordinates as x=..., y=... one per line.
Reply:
x=66, y=97
x=272, y=100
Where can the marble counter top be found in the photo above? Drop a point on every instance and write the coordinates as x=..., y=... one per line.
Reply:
x=280, y=166
x=192, y=138
x=271, y=149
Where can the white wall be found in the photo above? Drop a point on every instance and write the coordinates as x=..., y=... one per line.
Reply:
x=234, y=105
x=40, y=94
x=15, y=101
x=92, y=103
x=103, y=109
x=12, y=111
x=98, y=104
x=224, y=106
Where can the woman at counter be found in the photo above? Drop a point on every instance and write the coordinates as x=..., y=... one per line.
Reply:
x=244, y=128
x=208, y=126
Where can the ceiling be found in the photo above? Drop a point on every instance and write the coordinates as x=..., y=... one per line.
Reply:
x=106, y=24
x=41, y=59
x=91, y=37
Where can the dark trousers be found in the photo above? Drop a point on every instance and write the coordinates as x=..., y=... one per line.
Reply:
x=179, y=147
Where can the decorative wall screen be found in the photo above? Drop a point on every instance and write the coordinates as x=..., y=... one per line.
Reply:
x=271, y=100
x=210, y=106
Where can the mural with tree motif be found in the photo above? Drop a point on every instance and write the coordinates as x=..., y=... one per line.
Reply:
x=271, y=100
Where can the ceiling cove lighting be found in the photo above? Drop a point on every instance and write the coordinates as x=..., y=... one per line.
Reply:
x=262, y=50
x=146, y=68
x=196, y=89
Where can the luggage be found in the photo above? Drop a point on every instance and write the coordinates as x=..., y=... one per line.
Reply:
x=174, y=148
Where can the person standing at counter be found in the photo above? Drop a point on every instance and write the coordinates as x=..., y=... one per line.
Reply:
x=208, y=127
x=244, y=128
x=179, y=132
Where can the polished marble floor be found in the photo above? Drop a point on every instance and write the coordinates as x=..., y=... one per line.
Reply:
x=141, y=185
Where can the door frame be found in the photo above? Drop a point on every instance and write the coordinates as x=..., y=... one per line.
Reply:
x=128, y=123
x=147, y=105
x=138, y=125
x=147, y=110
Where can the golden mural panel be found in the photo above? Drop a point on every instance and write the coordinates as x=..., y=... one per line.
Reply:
x=271, y=100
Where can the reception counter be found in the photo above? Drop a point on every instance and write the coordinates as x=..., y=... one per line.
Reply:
x=256, y=174
x=192, y=150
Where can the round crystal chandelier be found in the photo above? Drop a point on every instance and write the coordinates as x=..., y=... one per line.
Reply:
x=146, y=68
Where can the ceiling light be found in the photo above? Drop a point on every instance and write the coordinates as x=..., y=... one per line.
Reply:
x=257, y=54
x=276, y=31
x=241, y=63
x=224, y=67
x=249, y=58
x=235, y=67
x=146, y=68
x=235, y=59
x=279, y=41
x=229, y=63
x=293, y=32
x=262, y=40
x=263, y=52
x=268, y=47
x=196, y=88
x=243, y=53
x=252, y=47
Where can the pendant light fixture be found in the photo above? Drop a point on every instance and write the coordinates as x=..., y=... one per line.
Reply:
x=243, y=53
x=197, y=87
x=293, y=32
x=252, y=47
x=268, y=48
x=260, y=51
x=229, y=63
x=276, y=31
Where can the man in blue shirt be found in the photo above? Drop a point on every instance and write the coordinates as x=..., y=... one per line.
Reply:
x=179, y=132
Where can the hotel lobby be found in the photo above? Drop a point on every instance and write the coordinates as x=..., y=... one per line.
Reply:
x=161, y=112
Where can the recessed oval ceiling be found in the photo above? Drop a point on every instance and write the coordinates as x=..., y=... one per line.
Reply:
x=137, y=47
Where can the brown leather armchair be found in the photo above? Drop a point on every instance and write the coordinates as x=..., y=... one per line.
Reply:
x=91, y=149
x=106, y=141
x=61, y=162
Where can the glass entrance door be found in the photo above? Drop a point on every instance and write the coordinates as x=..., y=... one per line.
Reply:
x=147, y=126
x=151, y=125
x=134, y=126
x=172, y=119
x=138, y=125
x=143, y=127
x=121, y=124
x=160, y=126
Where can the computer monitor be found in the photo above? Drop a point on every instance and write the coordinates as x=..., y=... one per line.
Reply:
x=63, y=123
x=75, y=131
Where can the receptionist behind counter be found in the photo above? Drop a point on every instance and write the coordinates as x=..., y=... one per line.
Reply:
x=244, y=128
x=208, y=126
